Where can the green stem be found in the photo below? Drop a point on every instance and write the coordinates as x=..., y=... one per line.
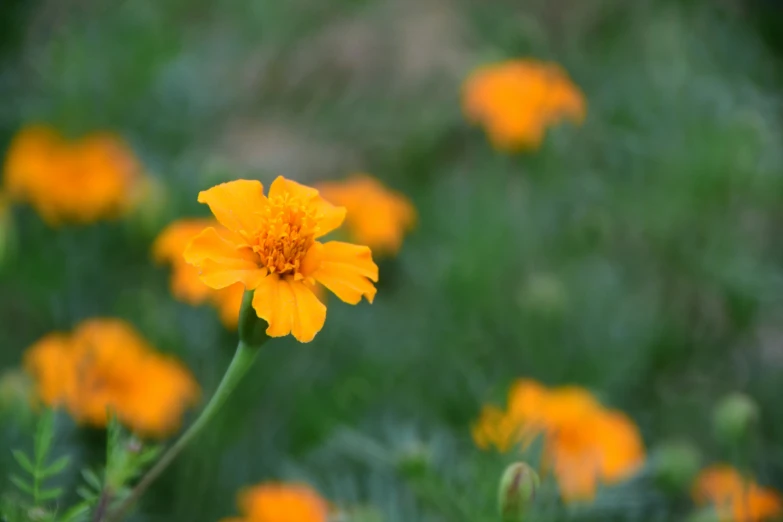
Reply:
x=240, y=364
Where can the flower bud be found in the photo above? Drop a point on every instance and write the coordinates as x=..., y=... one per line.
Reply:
x=677, y=463
x=518, y=488
x=734, y=416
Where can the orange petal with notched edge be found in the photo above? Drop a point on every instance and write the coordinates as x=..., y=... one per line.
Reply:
x=221, y=262
x=237, y=205
x=347, y=270
x=282, y=187
x=289, y=306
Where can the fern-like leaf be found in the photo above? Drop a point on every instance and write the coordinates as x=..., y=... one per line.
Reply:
x=22, y=485
x=37, y=468
x=23, y=461
x=56, y=467
x=77, y=513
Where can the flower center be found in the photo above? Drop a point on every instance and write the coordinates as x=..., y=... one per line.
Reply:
x=288, y=234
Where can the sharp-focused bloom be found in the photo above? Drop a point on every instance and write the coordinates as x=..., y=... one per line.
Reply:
x=276, y=502
x=105, y=364
x=269, y=245
x=517, y=100
x=377, y=217
x=584, y=443
x=186, y=285
x=72, y=181
x=736, y=498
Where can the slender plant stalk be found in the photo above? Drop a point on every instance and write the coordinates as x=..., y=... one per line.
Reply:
x=103, y=505
x=243, y=359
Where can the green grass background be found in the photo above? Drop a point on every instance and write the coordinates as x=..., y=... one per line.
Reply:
x=640, y=255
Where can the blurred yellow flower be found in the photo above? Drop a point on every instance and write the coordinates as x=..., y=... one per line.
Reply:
x=269, y=245
x=376, y=216
x=517, y=100
x=584, y=443
x=186, y=285
x=104, y=364
x=80, y=181
x=736, y=499
x=275, y=502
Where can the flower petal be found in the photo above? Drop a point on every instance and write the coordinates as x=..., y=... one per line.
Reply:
x=346, y=270
x=171, y=242
x=331, y=216
x=273, y=302
x=186, y=284
x=222, y=262
x=310, y=313
x=237, y=205
x=282, y=187
x=289, y=306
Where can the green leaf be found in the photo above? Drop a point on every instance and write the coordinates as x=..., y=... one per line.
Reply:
x=148, y=455
x=24, y=461
x=114, y=434
x=86, y=494
x=76, y=513
x=50, y=494
x=44, y=436
x=92, y=479
x=57, y=466
x=21, y=484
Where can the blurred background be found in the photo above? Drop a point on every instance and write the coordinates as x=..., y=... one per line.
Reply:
x=639, y=255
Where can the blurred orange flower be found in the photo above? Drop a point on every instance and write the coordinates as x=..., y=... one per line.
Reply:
x=81, y=181
x=273, y=502
x=186, y=285
x=584, y=443
x=269, y=245
x=377, y=217
x=104, y=364
x=736, y=499
x=517, y=100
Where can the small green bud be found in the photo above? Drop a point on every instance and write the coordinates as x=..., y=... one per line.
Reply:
x=734, y=416
x=677, y=464
x=518, y=487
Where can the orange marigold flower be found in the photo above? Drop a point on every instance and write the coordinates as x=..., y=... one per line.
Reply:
x=80, y=181
x=737, y=499
x=517, y=100
x=106, y=364
x=269, y=244
x=584, y=443
x=377, y=217
x=186, y=285
x=274, y=502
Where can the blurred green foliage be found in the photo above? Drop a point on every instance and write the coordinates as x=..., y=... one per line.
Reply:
x=639, y=255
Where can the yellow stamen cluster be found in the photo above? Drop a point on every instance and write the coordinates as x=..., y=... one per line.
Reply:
x=287, y=236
